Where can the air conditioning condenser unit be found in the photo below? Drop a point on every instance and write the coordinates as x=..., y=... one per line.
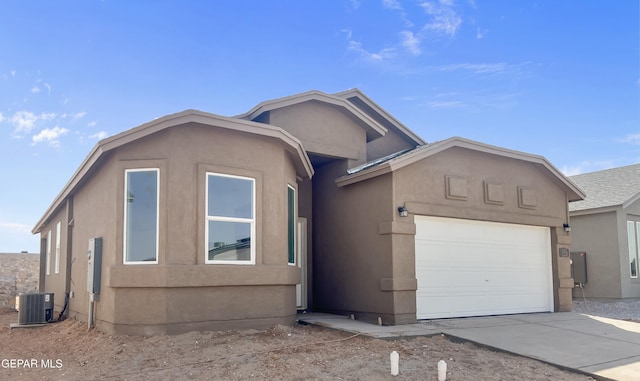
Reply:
x=35, y=308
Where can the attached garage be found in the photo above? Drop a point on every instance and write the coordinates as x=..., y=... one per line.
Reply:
x=455, y=228
x=475, y=268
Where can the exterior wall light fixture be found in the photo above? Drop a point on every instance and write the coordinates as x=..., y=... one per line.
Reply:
x=566, y=227
x=403, y=211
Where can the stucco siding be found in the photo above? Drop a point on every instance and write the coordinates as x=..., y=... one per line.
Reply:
x=386, y=145
x=323, y=129
x=467, y=184
x=133, y=296
x=350, y=256
x=630, y=287
x=55, y=282
x=94, y=215
x=597, y=235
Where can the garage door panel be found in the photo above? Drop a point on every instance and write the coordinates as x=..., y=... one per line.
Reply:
x=474, y=268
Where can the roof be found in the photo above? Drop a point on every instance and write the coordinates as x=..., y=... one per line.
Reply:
x=360, y=100
x=374, y=128
x=103, y=147
x=403, y=159
x=610, y=187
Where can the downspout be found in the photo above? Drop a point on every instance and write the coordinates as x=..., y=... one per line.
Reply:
x=67, y=281
x=43, y=263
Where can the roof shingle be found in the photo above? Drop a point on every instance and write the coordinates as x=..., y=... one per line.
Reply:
x=609, y=187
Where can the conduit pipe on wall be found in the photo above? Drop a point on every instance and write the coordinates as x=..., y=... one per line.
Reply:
x=90, y=318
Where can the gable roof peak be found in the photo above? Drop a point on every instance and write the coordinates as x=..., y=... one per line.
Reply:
x=373, y=127
x=362, y=101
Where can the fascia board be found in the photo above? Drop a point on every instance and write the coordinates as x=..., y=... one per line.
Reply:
x=631, y=200
x=380, y=110
x=189, y=116
x=600, y=210
x=433, y=148
x=317, y=96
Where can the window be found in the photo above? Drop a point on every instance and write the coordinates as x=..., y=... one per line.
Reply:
x=291, y=224
x=141, y=215
x=57, y=263
x=49, y=253
x=633, y=234
x=230, y=223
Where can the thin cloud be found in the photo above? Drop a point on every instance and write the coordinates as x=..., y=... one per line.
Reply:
x=356, y=47
x=632, y=139
x=586, y=167
x=391, y=4
x=35, y=89
x=78, y=115
x=23, y=121
x=99, y=135
x=473, y=102
x=92, y=123
x=15, y=227
x=50, y=136
x=48, y=86
x=444, y=18
x=445, y=104
x=476, y=68
x=410, y=42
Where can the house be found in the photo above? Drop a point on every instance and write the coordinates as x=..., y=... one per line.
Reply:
x=606, y=226
x=314, y=201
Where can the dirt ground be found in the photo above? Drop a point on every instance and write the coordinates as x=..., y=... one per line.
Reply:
x=68, y=351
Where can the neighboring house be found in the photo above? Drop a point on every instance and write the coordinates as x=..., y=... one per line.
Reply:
x=606, y=226
x=314, y=201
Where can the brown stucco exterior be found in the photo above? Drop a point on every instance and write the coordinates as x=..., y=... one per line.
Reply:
x=370, y=229
x=180, y=292
x=602, y=235
x=360, y=253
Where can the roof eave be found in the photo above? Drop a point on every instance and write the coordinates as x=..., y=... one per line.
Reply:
x=382, y=112
x=594, y=210
x=292, y=144
x=314, y=95
x=574, y=193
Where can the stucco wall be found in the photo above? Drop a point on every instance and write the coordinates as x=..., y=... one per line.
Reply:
x=365, y=253
x=597, y=235
x=18, y=274
x=323, y=129
x=463, y=183
x=423, y=187
x=181, y=292
x=630, y=287
x=350, y=257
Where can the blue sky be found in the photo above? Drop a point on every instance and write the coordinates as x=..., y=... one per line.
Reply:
x=555, y=78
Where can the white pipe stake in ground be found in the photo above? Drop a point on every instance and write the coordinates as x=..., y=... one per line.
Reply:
x=395, y=363
x=442, y=370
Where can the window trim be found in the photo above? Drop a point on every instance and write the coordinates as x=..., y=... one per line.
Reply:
x=48, y=253
x=57, y=260
x=124, y=225
x=292, y=220
x=251, y=221
x=633, y=241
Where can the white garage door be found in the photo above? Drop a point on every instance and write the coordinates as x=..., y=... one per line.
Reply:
x=475, y=268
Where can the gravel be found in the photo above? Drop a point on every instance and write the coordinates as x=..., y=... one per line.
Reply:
x=615, y=309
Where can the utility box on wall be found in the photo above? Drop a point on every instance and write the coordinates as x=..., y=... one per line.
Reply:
x=94, y=259
x=579, y=267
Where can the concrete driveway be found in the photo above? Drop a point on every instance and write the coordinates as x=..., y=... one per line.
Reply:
x=605, y=348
